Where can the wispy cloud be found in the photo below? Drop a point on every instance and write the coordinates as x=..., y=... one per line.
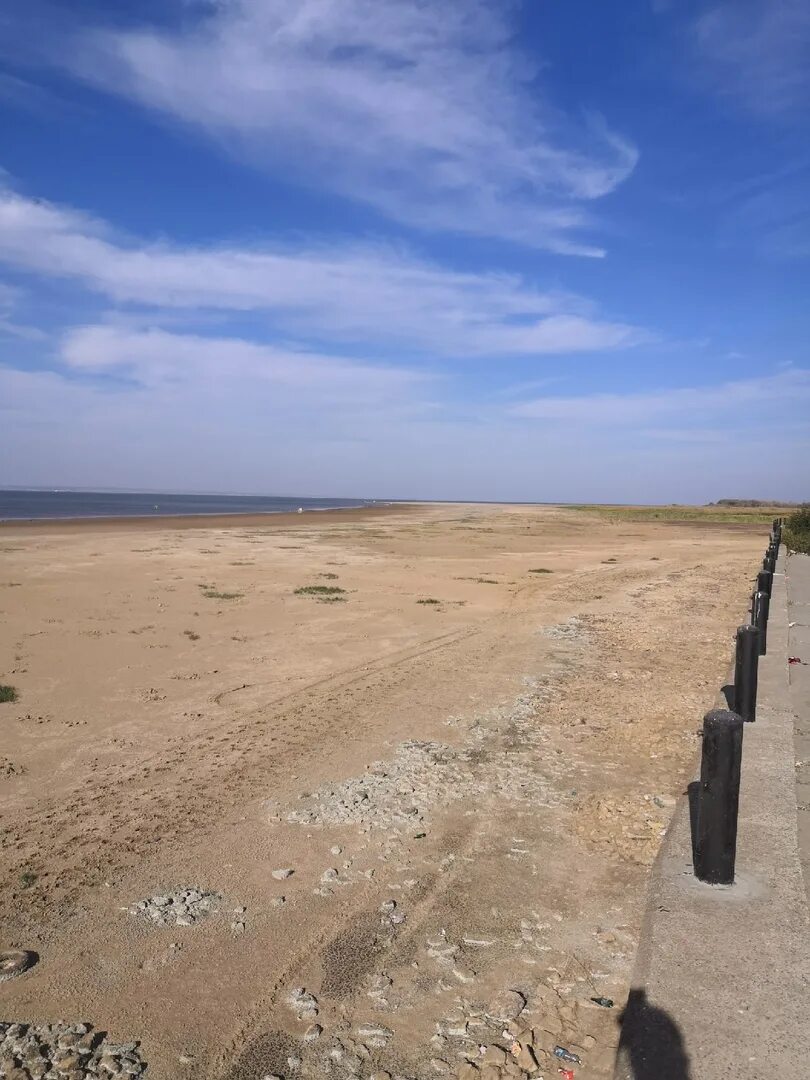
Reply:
x=426, y=111
x=372, y=295
x=690, y=405
x=9, y=299
x=157, y=357
x=758, y=51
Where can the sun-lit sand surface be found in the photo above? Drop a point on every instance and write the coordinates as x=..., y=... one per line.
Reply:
x=186, y=719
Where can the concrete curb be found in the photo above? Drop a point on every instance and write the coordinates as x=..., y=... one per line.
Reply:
x=721, y=986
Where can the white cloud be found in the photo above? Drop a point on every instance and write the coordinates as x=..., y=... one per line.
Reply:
x=758, y=51
x=9, y=299
x=424, y=110
x=156, y=357
x=724, y=402
x=223, y=435
x=373, y=295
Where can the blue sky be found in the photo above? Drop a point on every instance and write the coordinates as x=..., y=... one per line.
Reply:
x=544, y=250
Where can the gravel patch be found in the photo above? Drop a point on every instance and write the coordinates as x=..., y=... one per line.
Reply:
x=180, y=907
x=65, y=1052
x=501, y=755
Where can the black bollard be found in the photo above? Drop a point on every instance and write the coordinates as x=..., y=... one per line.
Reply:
x=765, y=581
x=746, y=665
x=763, y=603
x=754, y=607
x=719, y=797
x=769, y=563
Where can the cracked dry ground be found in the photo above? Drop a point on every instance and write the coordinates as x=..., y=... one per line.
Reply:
x=271, y=836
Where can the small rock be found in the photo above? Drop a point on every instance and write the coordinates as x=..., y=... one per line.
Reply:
x=282, y=875
x=278, y=901
x=336, y=850
x=508, y=1005
x=313, y=1032
x=495, y=1055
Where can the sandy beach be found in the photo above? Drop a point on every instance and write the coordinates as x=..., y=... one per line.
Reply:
x=466, y=752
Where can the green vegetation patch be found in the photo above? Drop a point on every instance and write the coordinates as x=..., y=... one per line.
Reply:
x=796, y=531
x=541, y=570
x=8, y=693
x=725, y=513
x=429, y=600
x=191, y=635
x=319, y=590
x=215, y=594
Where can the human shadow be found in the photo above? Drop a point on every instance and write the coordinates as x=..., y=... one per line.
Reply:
x=651, y=1043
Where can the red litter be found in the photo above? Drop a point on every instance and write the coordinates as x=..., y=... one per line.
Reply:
x=568, y=1074
x=795, y=660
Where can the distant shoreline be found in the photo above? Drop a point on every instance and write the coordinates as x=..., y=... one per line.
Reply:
x=199, y=521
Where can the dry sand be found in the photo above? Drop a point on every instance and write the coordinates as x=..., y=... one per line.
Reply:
x=500, y=765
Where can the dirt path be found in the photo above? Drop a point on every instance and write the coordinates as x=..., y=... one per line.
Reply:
x=529, y=732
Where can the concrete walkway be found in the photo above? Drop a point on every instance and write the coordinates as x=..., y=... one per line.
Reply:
x=722, y=982
x=798, y=585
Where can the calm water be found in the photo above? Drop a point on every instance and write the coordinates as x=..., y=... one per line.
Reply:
x=82, y=504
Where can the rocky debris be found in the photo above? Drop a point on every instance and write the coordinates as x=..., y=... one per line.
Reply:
x=628, y=827
x=65, y=1052
x=282, y=875
x=502, y=757
x=378, y=989
x=374, y=1036
x=303, y=1004
x=15, y=962
x=278, y=901
x=180, y=907
x=573, y=629
x=507, y=1005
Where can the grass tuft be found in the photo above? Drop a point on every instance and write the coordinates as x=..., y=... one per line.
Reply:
x=190, y=634
x=541, y=570
x=215, y=594
x=8, y=693
x=429, y=600
x=319, y=590
x=27, y=879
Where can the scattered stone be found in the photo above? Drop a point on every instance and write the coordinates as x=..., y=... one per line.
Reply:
x=278, y=901
x=329, y=875
x=46, y=1051
x=336, y=849
x=184, y=907
x=304, y=1004
x=508, y=1005
x=313, y=1033
x=282, y=875
x=374, y=1036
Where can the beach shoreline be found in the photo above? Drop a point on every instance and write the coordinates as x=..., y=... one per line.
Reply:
x=274, y=518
